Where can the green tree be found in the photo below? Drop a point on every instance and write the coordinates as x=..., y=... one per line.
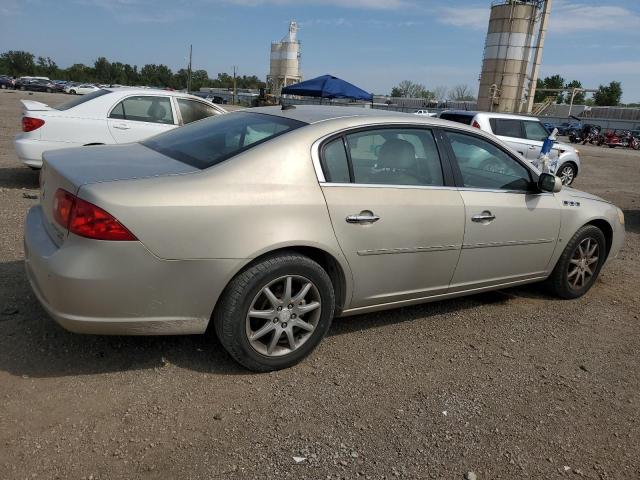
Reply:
x=555, y=81
x=409, y=89
x=396, y=92
x=102, y=69
x=608, y=95
x=18, y=63
x=79, y=72
x=579, y=97
x=47, y=67
x=156, y=75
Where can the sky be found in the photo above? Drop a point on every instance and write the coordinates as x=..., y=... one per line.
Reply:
x=373, y=43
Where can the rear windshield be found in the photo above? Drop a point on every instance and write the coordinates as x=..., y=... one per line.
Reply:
x=212, y=140
x=81, y=99
x=457, y=117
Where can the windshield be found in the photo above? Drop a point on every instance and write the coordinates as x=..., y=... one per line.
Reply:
x=212, y=140
x=82, y=99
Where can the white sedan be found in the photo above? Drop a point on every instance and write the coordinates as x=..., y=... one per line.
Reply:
x=81, y=89
x=106, y=116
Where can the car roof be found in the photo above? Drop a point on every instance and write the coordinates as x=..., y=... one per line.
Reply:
x=508, y=116
x=319, y=113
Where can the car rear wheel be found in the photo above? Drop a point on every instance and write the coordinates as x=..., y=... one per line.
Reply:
x=273, y=314
x=567, y=173
x=72, y=92
x=580, y=263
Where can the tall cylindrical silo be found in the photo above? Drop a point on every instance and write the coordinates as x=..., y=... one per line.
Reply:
x=285, y=61
x=507, y=54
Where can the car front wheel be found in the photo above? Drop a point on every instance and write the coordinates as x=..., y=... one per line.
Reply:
x=273, y=314
x=580, y=263
x=567, y=173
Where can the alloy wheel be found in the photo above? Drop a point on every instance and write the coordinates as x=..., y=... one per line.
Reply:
x=583, y=263
x=566, y=175
x=283, y=315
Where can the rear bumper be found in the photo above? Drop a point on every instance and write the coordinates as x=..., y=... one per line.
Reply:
x=119, y=288
x=30, y=150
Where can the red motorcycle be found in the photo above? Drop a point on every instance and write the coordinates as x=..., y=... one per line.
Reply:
x=623, y=138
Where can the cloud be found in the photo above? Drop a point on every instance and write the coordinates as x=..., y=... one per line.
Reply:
x=140, y=11
x=574, y=17
x=369, y=4
x=566, y=17
x=475, y=18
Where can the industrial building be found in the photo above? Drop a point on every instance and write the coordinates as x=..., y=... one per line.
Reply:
x=512, y=55
x=285, y=61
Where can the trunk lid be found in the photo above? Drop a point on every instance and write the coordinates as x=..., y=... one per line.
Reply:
x=33, y=106
x=72, y=168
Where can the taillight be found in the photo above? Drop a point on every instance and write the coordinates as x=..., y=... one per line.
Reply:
x=29, y=124
x=475, y=124
x=62, y=206
x=87, y=220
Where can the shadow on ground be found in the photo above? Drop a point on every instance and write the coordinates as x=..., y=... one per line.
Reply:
x=32, y=344
x=19, y=177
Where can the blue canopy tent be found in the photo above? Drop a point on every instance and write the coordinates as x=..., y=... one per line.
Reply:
x=327, y=86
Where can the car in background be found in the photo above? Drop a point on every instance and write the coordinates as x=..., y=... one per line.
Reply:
x=425, y=113
x=264, y=224
x=7, y=82
x=525, y=135
x=38, y=85
x=81, y=89
x=106, y=116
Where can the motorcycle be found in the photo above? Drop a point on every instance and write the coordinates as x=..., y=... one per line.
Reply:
x=623, y=138
x=590, y=134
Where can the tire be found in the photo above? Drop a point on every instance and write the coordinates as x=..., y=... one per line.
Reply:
x=562, y=281
x=567, y=173
x=72, y=92
x=49, y=90
x=235, y=327
x=3, y=87
x=22, y=88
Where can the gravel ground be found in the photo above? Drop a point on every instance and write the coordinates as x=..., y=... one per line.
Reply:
x=511, y=384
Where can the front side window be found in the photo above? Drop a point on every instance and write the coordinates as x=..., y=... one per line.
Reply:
x=506, y=127
x=215, y=139
x=395, y=157
x=144, y=109
x=535, y=131
x=192, y=110
x=483, y=165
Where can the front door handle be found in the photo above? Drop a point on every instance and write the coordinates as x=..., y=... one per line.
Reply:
x=484, y=217
x=365, y=216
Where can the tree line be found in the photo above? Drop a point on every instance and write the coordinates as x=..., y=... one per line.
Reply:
x=20, y=63
x=606, y=95
x=409, y=89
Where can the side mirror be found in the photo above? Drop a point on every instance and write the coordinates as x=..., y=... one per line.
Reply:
x=549, y=183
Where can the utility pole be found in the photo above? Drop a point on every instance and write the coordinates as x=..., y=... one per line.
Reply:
x=235, y=89
x=189, y=70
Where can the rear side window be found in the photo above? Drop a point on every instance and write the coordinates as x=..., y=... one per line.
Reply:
x=192, y=111
x=215, y=139
x=506, y=127
x=535, y=131
x=336, y=163
x=144, y=109
x=82, y=99
x=393, y=156
x=457, y=117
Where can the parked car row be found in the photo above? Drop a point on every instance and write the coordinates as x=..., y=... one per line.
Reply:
x=44, y=84
x=525, y=135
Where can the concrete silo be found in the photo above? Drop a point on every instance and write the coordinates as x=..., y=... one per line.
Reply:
x=285, y=61
x=509, y=73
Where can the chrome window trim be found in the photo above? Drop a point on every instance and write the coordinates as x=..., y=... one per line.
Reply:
x=430, y=187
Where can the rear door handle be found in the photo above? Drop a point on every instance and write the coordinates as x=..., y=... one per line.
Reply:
x=121, y=126
x=363, y=217
x=484, y=217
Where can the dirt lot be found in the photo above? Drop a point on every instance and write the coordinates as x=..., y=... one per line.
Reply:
x=513, y=384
